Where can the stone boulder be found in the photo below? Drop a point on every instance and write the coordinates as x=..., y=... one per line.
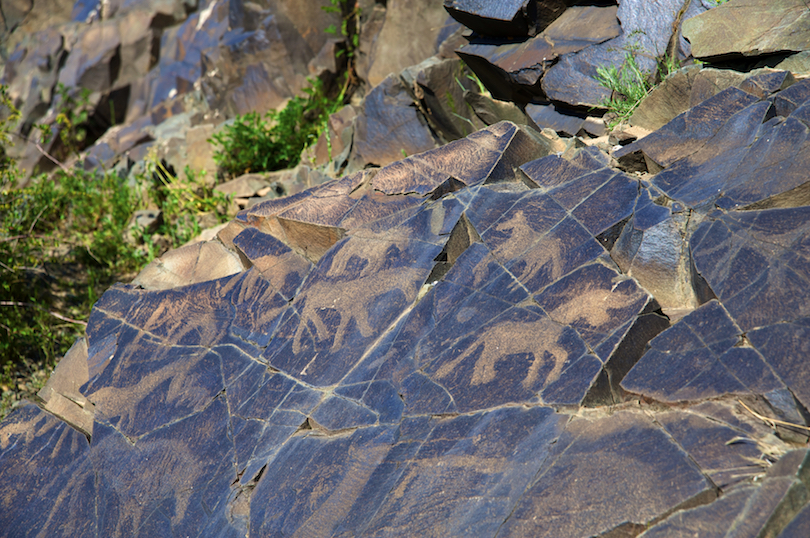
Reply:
x=512, y=70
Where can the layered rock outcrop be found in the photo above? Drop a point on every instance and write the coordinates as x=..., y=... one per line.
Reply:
x=507, y=332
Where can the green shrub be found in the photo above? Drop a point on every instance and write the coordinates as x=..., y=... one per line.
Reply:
x=182, y=203
x=629, y=84
x=63, y=243
x=275, y=142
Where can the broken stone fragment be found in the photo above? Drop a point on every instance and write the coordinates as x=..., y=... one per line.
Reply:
x=547, y=117
x=702, y=132
x=651, y=248
x=512, y=70
x=512, y=18
x=62, y=394
x=197, y=262
x=767, y=271
x=798, y=64
x=492, y=111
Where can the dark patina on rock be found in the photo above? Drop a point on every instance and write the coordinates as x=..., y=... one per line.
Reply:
x=506, y=335
x=429, y=347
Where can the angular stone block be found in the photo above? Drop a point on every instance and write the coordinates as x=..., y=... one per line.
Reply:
x=756, y=264
x=749, y=28
x=512, y=70
x=514, y=18
x=389, y=128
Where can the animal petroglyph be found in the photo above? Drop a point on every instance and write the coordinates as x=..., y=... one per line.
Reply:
x=540, y=339
x=595, y=307
x=350, y=299
x=516, y=235
x=547, y=255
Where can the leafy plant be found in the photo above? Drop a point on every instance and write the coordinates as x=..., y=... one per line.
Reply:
x=63, y=242
x=256, y=144
x=349, y=29
x=349, y=11
x=183, y=202
x=629, y=84
x=9, y=115
x=71, y=122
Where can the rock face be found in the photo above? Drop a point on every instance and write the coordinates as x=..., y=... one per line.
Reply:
x=559, y=63
x=195, y=65
x=484, y=324
x=498, y=333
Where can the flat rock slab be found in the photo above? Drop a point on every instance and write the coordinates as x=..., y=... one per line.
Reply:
x=455, y=344
x=389, y=127
x=637, y=456
x=701, y=358
x=690, y=86
x=726, y=149
x=749, y=28
x=411, y=32
x=748, y=510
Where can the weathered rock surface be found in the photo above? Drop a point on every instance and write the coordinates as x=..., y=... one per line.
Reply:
x=512, y=70
x=750, y=28
x=499, y=333
x=690, y=86
x=411, y=32
x=646, y=26
x=390, y=127
x=409, y=350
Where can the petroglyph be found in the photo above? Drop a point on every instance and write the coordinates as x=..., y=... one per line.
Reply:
x=520, y=236
x=355, y=277
x=547, y=256
x=539, y=339
x=593, y=307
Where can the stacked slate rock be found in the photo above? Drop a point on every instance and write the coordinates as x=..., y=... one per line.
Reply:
x=506, y=335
